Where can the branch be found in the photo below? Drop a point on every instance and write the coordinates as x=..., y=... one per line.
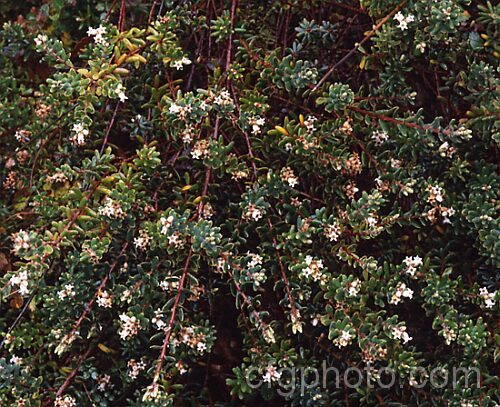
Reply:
x=166, y=340
x=357, y=45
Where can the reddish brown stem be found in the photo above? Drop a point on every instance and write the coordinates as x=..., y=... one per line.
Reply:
x=166, y=340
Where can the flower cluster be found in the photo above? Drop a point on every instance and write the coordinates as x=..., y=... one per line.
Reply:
x=104, y=299
x=79, y=133
x=135, y=368
x=288, y=176
x=344, y=339
x=401, y=291
x=332, y=232
x=201, y=149
x=129, y=326
x=313, y=268
x=192, y=337
x=112, y=209
x=65, y=401
x=487, y=297
x=99, y=35
x=399, y=332
x=403, y=21
x=179, y=64
x=412, y=264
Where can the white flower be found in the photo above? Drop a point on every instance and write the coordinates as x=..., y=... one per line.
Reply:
x=179, y=64
x=256, y=122
x=395, y=163
x=112, y=209
x=309, y=123
x=58, y=177
x=314, y=268
x=158, y=321
x=353, y=288
x=201, y=347
x=21, y=281
x=412, y=264
x=255, y=260
x=65, y=343
x=135, y=368
x=23, y=136
x=449, y=334
x=21, y=241
x=332, y=232
x=287, y=175
x=188, y=134
x=464, y=133
x=296, y=322
x=436, y=194
x=166, y=223
x=67, y=292
x=489, y=298
x=142, y=241
x=181, y=367
x=446, y=213
x=174, y=108
x=208, y=211
x=80, y=132
x=129, y=326
x=371, y=221
x=16, y=360
x=120, y=92
x=167, y=285
x=401, y=291
x=104, y=299
x=98, y=34
x=268, y=334
x=400, y=333
x=380, y=137
x=104, y=382
x=272, y=374
x=223, y=99
x=175, y=240
x=421, y=47
x=152, y=392
x=253, y=212
x=65, y=401
x=40, y=39
x=403, y=21
x=344, y=339
x=126, y=295
x=201, y=149
x=446, y=151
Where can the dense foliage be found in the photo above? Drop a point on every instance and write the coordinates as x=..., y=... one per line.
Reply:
x=197, y=194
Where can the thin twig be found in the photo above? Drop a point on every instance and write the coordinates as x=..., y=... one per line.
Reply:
x=166, y=340
x=357, y=45
x=151, y=11
x=282, y=270
x=70, y=377
x=108, y=129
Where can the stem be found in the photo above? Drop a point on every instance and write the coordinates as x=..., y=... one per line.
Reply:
x=166, y=340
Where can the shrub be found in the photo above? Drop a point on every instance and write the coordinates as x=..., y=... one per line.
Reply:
x=199, y=196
